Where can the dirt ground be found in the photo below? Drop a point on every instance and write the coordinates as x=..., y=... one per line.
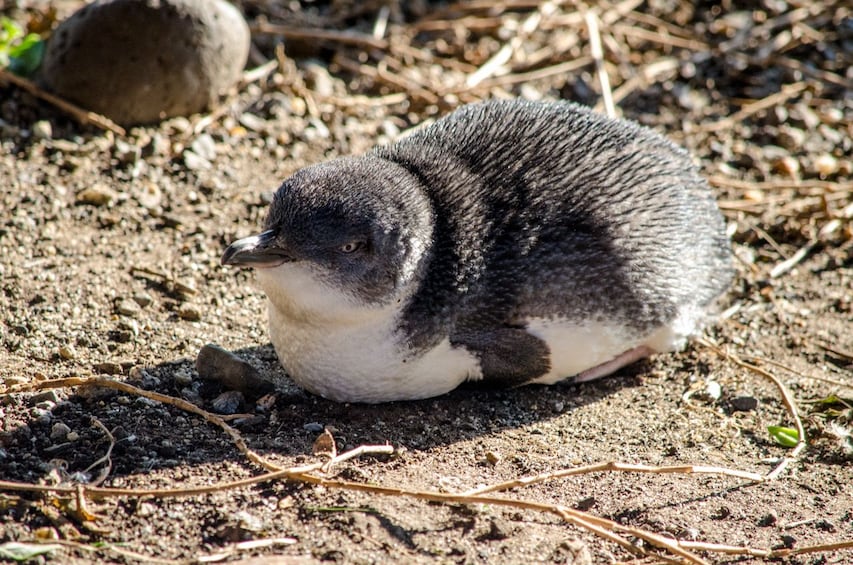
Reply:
x=109, y=265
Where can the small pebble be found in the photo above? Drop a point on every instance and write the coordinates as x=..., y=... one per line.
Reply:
x=42, y=416
x=204, y=147
x=788, y=165
x=826, y=165
x=59, y=431
x=42, y=130
x=67, y=352
x=72, y=436
x=217, y=364
x=128, y=307
x=108, y=368
x=50, y=396
x=98, y=195
x=229, y=402
x=744, y=403
x=313, y=427
x=189, y=312
x=183, y=378
x=195, y=162
x=768, y=519
x=46, y=405
x=143, y=299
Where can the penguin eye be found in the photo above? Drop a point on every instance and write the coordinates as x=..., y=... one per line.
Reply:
x=351, y=246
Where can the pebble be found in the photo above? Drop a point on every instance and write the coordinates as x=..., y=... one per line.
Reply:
x=42, y=130
x=141, y=62
x=41, y=415
x=314, y=427
x=59, y=431
x=768, y=519
x=189, y=312
x=67, y=352
x=128, y=307
x=826, y=165
x=217, y=364
x=50, y=396
x=229, y=402
x=183, y=377
x=72, y=436
x=143, y=299
x=744, y=403
x=96, y=195
x=195, y=162
x=788, y=165
x=127, y=153
x=204, y=147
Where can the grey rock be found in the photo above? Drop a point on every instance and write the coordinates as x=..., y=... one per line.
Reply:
x=313, y=427
x=59, y=431
x=744, y=403
x=216, y=364
x=229, y=402
x=140, y=61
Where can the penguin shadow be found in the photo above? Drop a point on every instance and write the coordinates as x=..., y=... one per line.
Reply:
x=69, y=432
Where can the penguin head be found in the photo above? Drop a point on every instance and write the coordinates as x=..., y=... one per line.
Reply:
x=358, y=227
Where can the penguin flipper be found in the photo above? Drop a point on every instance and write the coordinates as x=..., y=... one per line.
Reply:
x=508, y=357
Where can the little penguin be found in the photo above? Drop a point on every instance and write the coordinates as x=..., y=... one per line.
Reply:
x=510, y=242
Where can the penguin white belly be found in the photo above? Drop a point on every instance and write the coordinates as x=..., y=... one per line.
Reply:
x=364, y=362
x=597, y=348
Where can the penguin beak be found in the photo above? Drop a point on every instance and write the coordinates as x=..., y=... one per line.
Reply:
x=259, y=251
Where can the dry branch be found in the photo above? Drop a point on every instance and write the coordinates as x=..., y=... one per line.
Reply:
x=81, y=115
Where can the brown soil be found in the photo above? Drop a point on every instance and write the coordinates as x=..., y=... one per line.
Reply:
x=100, y=238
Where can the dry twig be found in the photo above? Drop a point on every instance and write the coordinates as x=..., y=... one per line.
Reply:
x=81, y=115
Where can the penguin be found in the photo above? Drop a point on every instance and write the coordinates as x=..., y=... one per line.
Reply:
x=511, y=242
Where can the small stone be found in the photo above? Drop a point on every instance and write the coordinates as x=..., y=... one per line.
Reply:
x=189, y=312
x=492, y=458
x=50, y=396
x=217, y=364
x=788, y=166
x=826, y=165
x=713, y=390
x=143, y=299
x=128, y=307
x=46, y=405
x=97, y=195
x=41, y=415
x=67, y=352
x=42, y=130
x=744, y=403
x=195, y=162
x=72, y=436
x=127, y=153
x=145, y=510
x=229, y=402
x=768, y=519
x=253, y=123
x=314, y=427
x=59, y=431
x=204, y=147
x=183, y=378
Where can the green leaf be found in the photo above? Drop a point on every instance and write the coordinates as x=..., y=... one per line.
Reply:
x=26, y=57
x=17, y=551
x=787, y=437
x=9, y=32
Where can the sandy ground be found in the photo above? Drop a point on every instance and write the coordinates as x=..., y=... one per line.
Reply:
x=109, y=265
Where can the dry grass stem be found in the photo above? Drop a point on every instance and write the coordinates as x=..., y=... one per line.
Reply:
x=621, y=467
x=788, y=91
x=82, y=115
x=598, y=56
x=307, y=34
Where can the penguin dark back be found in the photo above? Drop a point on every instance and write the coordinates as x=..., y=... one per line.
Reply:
x=511, y=242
